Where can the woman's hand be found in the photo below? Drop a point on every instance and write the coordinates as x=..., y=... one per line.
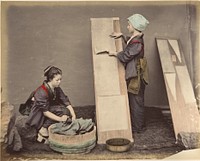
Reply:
x=116, y=35
x=55, y=117
x=64, y=118
x=74, y=117
x=72, y=112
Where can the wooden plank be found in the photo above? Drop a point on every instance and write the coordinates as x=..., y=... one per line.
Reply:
x=112, y=107
x=105, y=85
x=185, y=115
x=106, y=116
x=165, y=56
x=171, y=83
x=104, y=42
x=185, y=84
x=175, y=47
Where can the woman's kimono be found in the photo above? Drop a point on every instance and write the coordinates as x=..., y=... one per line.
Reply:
x=136, y=77
x=44, y=99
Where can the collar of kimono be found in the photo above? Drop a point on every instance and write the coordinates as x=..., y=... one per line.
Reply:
x=138, y=35
x=49, y=90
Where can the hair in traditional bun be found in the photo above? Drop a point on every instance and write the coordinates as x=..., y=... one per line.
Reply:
x=51, y=71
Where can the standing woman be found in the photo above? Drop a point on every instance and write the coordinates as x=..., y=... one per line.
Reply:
x=136, y=68
x=50, y=104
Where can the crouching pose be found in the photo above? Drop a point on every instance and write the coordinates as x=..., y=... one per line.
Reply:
x=49, y=104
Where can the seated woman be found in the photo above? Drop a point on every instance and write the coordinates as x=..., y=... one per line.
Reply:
x=50, y=104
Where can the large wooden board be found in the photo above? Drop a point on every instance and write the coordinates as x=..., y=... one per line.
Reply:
x=112, y=107
x=180, y=92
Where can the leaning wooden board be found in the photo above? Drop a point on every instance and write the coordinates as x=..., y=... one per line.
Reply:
x=112, y=107
x=179, y=88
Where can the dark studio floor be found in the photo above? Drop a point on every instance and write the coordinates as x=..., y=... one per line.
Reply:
x=157, y=142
